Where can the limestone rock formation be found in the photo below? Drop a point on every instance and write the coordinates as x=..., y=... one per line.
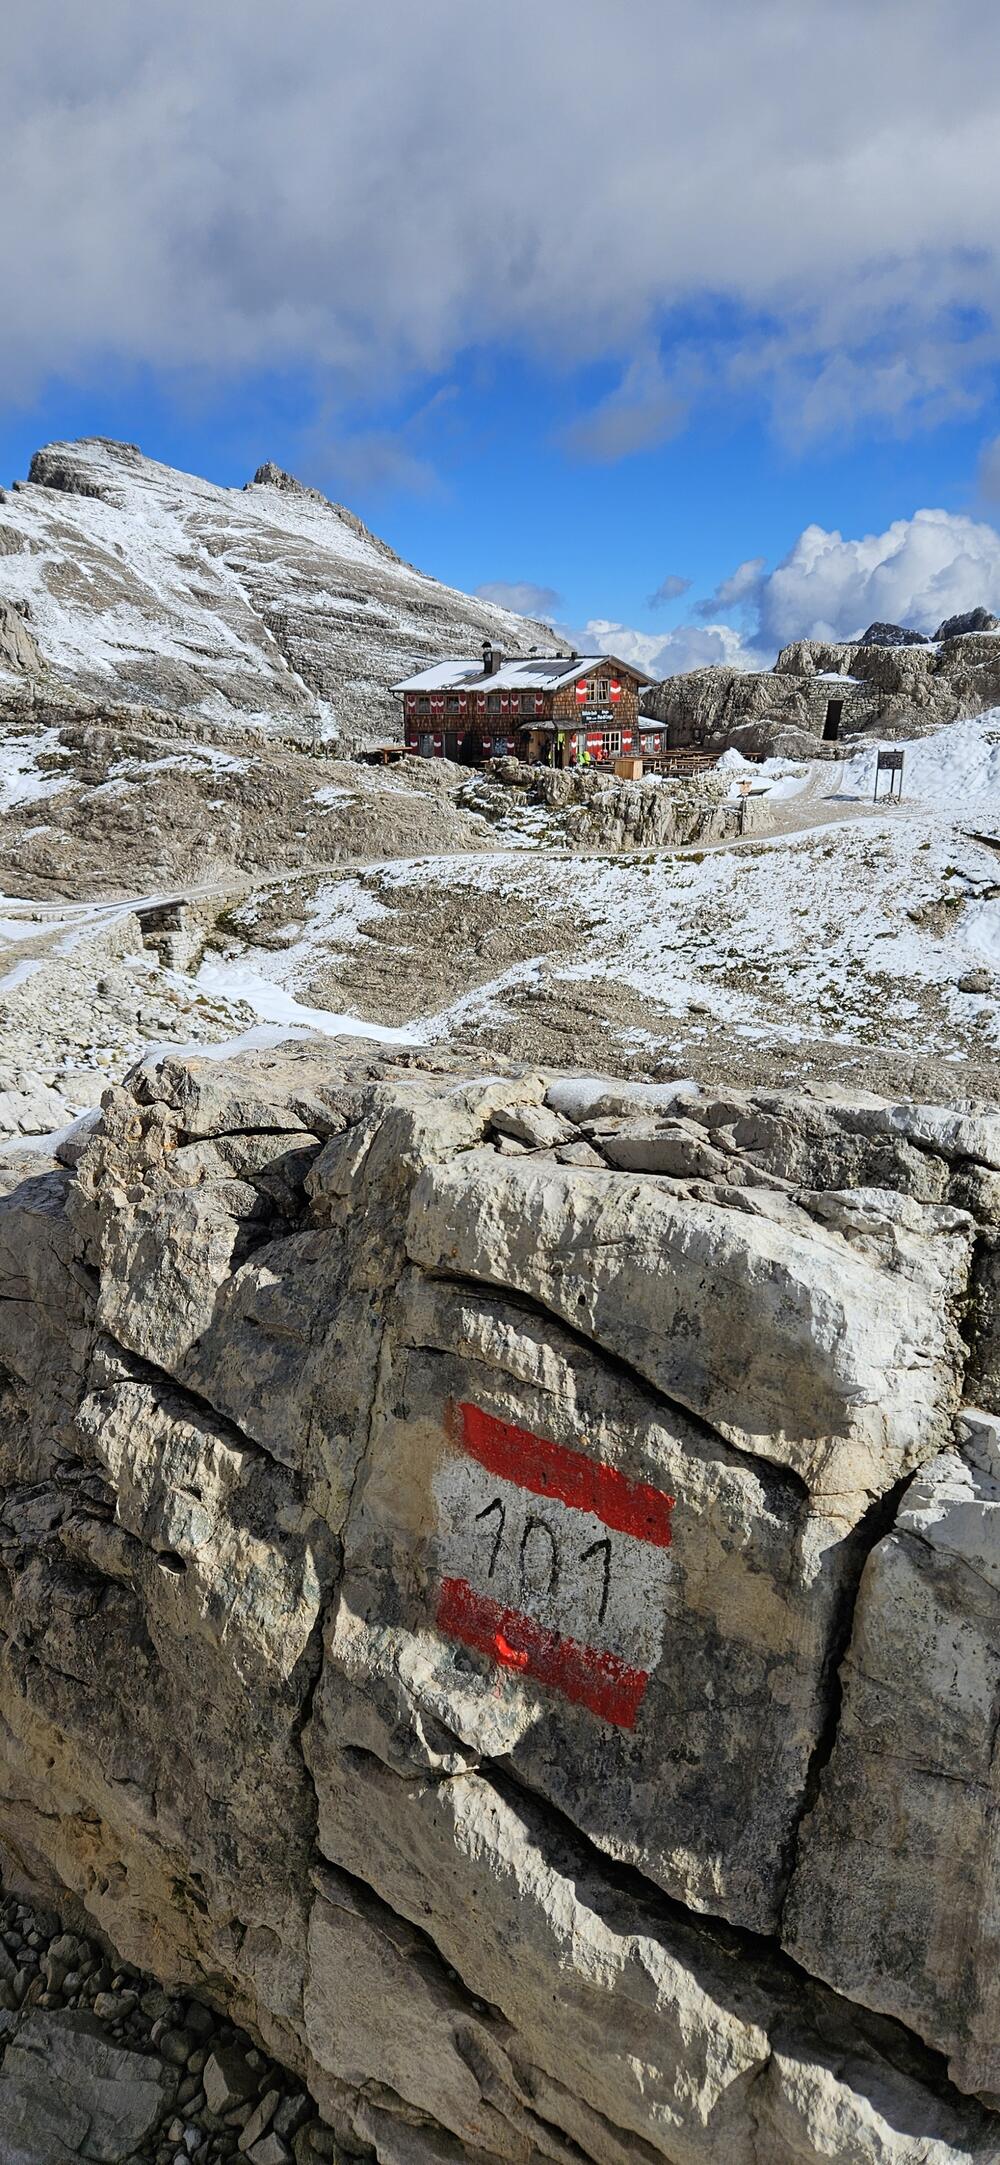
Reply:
x=969, y=620
x=880, y=634
x=820, y=692
x=919, y=1939
x=598, y=810
x=266, y=604
x=140, y=803
x=496, y=1596
x=97, y=2062
x=18, y=650
x=65, y=2091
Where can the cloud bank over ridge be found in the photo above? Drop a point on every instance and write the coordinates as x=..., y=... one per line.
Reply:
x=367, y=192
x=917, y=572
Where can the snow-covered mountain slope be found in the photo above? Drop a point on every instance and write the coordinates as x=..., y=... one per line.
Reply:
x=267, y=603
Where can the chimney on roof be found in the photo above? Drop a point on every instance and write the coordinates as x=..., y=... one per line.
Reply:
x=492, y=658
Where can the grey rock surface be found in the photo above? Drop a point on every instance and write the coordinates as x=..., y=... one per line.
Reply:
x=99, y=2067
x=138, y=803
x=880, y=634
x=18, y=650
x=517, y=1632
x=595, y=810
x=915, y=1754
x=66, y=2091
x=970, y=620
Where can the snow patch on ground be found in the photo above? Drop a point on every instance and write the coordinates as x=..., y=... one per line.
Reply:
x=235, y=981
x=857, y=932
x=775, y=779
x=333, y=793
x=953, y=768
x=201, y=759
x=260, y=978
x=20, y=971
x=22, y=780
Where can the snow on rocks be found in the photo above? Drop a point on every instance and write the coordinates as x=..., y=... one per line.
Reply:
x=82, y=1012
x=113, y=803
x=23, y=778
x=860, y=932
x=773, y=778
x=265, y=604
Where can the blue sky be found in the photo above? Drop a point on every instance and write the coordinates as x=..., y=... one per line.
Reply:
x=569, y=299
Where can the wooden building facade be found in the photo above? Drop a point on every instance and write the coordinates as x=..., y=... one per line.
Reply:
x=560, y=710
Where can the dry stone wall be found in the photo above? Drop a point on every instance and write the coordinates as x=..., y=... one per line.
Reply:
x=499, y=1600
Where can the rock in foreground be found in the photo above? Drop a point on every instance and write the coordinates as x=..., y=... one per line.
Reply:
x=460, y=1541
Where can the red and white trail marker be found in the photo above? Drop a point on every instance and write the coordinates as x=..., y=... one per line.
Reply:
x=552, y=1564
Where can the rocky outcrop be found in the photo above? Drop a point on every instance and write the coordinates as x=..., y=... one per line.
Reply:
x=495, y=1599
x=820, y=692
x=97, y=2062
x=969, y=620
x=18, y=650
x=265, y=605
x=919, y=1940
x=880, y=634
x=598, y=810
x=134, y=806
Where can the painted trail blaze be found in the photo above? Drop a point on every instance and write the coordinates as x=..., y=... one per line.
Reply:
x=552, y=1564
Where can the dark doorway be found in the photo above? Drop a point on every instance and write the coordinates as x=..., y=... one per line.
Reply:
x=831, y=726
x=471, y=749
x=451, y=744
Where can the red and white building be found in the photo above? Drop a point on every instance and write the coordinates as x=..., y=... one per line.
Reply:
x=556, y=709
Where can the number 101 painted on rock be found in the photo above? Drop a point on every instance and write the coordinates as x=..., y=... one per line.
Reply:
x=553, y=1565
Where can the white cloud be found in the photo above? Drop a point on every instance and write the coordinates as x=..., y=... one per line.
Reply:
x=368, y=190
x=521, y=595
x=696, y=646
x=917, y=572
x=641, y=412
x=691, y=646
x=740, y=590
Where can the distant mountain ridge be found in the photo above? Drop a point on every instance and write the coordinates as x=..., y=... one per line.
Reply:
x=127, y=580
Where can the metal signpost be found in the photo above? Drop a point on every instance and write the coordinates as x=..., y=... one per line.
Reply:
x=890, y=763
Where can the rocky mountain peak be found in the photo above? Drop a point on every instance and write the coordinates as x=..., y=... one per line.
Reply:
x=275, y=477
x=84, y=468
x=880, y=634
x=266, y=605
